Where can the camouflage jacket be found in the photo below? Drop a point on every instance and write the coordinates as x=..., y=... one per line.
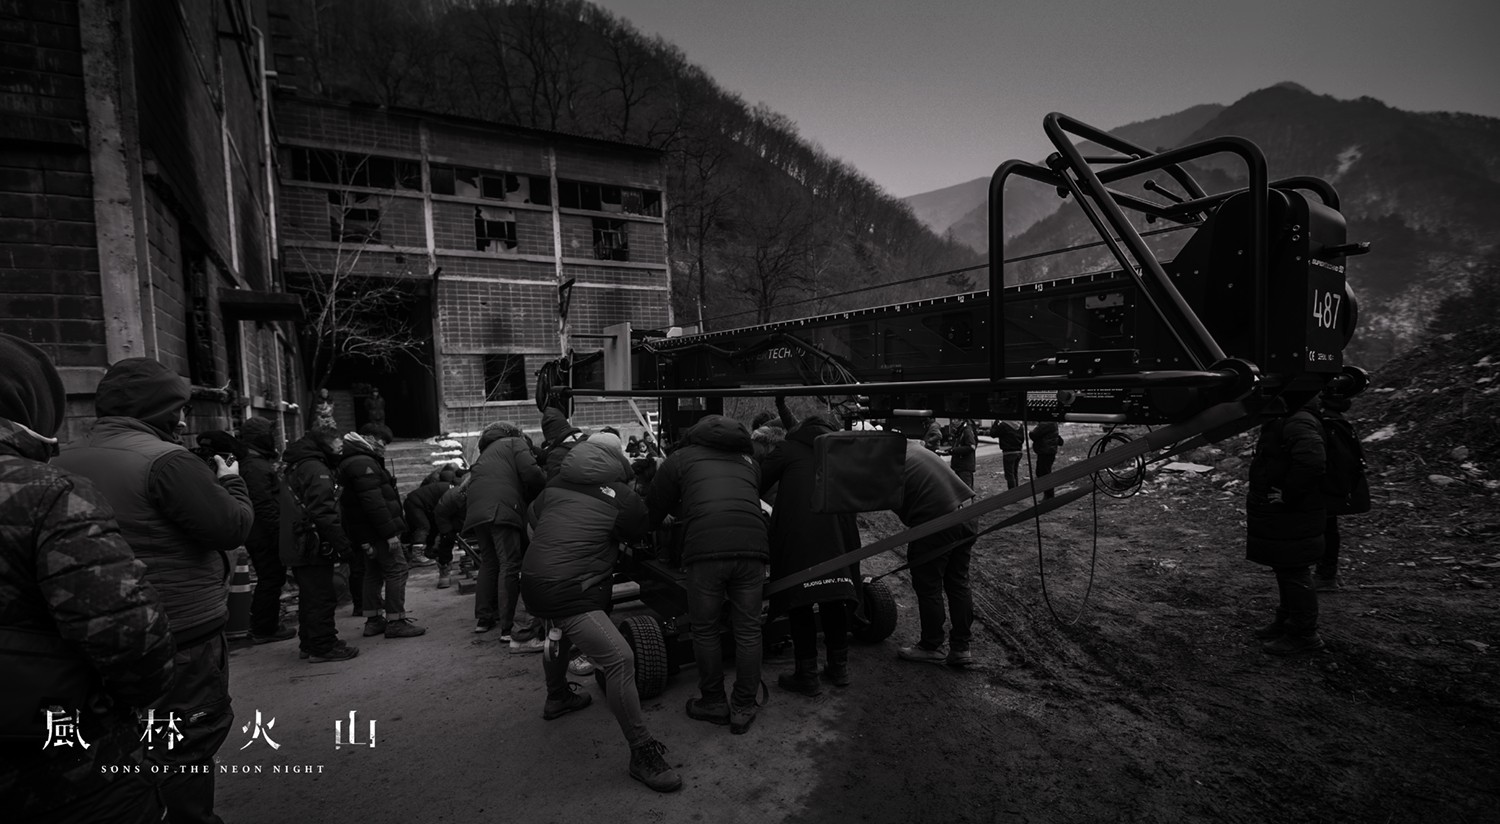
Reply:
x=65, y=570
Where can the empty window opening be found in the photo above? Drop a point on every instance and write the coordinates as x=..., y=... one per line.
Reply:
x=494, y=229
x=504, y=377
x=610, y=241
x=352, y=217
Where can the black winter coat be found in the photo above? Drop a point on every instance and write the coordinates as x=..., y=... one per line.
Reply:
x=1045, y=439
x=369, y=503
x=1284, y=508
x=800, y=537
x=712, y=486
x=501, y=483
x=577, y=523
x=259, y=472
x=310, y=482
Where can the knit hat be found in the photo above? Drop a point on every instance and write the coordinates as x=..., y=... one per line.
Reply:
x=143, y=389
x=555, y=425
x=31, y=392
x=259, y=433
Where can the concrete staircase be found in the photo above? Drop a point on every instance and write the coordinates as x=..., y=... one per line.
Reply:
x=410, y=462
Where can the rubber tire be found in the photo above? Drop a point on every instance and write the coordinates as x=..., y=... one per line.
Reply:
x=880, y=609
x=643, y=634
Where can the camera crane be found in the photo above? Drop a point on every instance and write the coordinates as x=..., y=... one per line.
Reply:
x=1250, y=316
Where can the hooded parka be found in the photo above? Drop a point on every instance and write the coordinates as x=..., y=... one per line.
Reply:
x=712, y=485
x=800, y=537
x=1284, y=507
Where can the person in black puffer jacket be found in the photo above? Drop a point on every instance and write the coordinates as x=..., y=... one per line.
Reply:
x=1008, y=437
x=801, y=538
x=712, y=485
x=313, y=540
x=965, y=443
x=577, y=523
x=1045, y=440
x=1284, y=521
x=501, y=484
x=258, y=437
x=69, y=586
x=427, y=540
x=371, y=510
x=558, y=436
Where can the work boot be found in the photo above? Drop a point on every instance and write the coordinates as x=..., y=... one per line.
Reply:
x=416, y=556
x=804, y=681
x=374, y=625
x=340, y=651
x=445, y=580
x=740, y=718
x=716, y=712
x=281, y=633
x=917, y=652
x=1328, y=584
x=960, y=658
x=403, y=628
x=1291, y=644
x=837, y=671
x=648, y=767
x=1271, y=631
x=563, y=703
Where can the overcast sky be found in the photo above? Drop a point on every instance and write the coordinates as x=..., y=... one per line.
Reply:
x=922, y=94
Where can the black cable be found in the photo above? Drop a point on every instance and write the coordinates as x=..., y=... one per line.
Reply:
x=1115, y=482
x=1037, y=521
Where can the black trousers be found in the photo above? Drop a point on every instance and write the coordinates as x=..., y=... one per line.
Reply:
x=1298, y=607
x=1012, y=461
x=317, y=602
x=265, y=601
x=803, y=624
x=1328, y=565
x=199, y=701
x=1043, y=466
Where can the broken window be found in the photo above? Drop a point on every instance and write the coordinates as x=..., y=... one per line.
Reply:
x=610, y=241
x=504, y=377
x=352, y=216
x=539, y=190
x=355, y=169
x=494, y=229
x=442, y=179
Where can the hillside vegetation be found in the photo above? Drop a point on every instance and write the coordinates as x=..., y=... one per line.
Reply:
x=763, y=224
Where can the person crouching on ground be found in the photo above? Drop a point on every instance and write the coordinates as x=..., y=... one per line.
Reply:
x=1284, y=522
x=371, y=510
x=577, y=523
x=801, y=538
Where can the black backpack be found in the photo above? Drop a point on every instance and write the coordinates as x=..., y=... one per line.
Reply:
x=1345, y=486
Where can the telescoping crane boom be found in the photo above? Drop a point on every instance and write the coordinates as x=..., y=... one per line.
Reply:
x=1251, y=315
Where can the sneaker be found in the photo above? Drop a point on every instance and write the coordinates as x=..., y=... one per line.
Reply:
x=505, y=638
x=374, y=626
x=960, y=658
x=917, y=652
x=445, y=577
x=740, y=718
x=572, y=702
x=527, y=647
x=282, y=633
x=337, y=652
x=581, y=666
x=1327, y=584
x=836, y=674
x=1271, y=631
x=403, y=628
x=485, y=626
x=648, y=767
x=715, y=713
x=1293, y=644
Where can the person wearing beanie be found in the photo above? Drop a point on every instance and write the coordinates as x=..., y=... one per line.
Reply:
x=371, y=509
x=558, y=436
x=502, y=482
x=258, y=468
x=182, y=517
x=70, y=583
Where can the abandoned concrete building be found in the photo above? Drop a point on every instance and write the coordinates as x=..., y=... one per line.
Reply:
x=488, y=247
x=159, y=198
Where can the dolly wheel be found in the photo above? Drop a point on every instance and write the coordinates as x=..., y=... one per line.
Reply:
x=643, y=634
x=880, y=613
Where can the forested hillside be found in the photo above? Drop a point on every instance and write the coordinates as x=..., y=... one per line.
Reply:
x=763, y=224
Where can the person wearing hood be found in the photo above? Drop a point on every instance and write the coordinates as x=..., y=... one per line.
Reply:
x=182, y=518
x=558, y=436
x=371, y=510
x=427, y=541
x=502, y=482
x=711, y=484
x=577, y=524
x=965, y=443
x=258, y=468
x=1285, y=518
x=313, y=540
x=801, y=538
x=69, y=585
x=931, y=489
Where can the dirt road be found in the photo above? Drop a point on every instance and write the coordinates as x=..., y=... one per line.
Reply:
x=1155, y=706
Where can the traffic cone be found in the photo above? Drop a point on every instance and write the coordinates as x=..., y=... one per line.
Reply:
x=238, y=625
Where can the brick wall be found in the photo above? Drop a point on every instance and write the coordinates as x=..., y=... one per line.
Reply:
x=167, y=328
x=49, y=269
x=497, y=317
